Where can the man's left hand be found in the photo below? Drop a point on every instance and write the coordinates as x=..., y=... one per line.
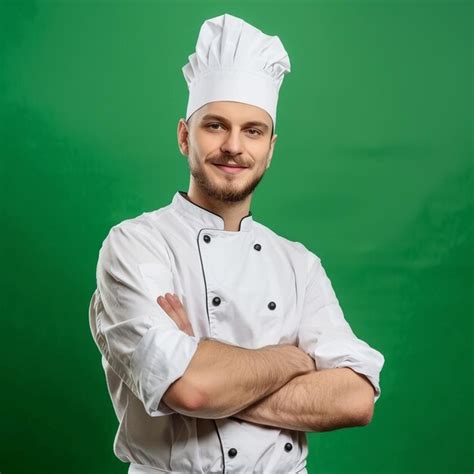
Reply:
x=175, y=310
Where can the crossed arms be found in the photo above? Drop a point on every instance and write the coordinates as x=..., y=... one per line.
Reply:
x=275, y=385
x=279, y=385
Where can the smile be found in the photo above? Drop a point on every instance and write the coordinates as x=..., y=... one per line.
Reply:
x=230, y=169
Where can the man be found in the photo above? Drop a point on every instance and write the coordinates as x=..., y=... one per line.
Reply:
x=223, y=343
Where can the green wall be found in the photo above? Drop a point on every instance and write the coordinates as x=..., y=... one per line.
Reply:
x=372, y=171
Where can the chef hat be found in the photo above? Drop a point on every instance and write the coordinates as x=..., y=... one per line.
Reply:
x=234, y=61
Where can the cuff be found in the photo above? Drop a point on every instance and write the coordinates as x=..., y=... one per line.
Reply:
x=160, y=359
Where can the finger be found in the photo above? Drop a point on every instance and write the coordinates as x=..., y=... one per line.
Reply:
x=170, y=311
x=179, y=308
x=173, y=307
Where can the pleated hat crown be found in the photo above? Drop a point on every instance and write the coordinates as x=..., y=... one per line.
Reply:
x=234, y=61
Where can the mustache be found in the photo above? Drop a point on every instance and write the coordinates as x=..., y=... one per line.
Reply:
x=229, y=162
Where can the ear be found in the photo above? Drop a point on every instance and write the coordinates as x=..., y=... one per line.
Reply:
x=270, y=153
x=183, y=137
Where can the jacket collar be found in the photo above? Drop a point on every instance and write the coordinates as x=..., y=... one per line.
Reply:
x=203, y=218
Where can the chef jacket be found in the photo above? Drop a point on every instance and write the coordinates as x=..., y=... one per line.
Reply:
x=248, y=288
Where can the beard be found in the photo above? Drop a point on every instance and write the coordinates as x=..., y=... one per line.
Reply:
x=228, y=192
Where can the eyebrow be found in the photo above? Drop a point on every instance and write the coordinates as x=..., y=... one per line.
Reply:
x=223, y=119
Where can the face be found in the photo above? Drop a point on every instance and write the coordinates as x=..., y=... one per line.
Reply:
x=229, y=146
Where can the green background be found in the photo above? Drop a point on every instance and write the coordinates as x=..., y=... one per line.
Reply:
x=372, y=171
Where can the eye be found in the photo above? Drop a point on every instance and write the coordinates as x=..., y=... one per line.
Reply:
x=215, y=126
x=209, y=125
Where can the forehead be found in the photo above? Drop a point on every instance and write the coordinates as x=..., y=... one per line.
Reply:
x=237, y=112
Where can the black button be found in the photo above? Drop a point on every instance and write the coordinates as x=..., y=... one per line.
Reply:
x=288, y=447
x=207, y=239
x=257, y=247
x=272, y=305
x=232, y=452
x=216, y=301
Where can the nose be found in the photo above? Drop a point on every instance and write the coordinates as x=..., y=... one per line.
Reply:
x=232, y=144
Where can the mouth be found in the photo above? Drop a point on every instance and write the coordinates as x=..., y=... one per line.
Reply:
x=231, y=169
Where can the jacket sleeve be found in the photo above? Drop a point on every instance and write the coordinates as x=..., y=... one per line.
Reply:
x=326, y=336
x=143, y=345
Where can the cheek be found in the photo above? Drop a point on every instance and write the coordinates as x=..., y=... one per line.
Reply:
x=259, y=149
x=261, y=156
x=207, y=142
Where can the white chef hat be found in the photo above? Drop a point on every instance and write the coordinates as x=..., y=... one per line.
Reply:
x=234, y=61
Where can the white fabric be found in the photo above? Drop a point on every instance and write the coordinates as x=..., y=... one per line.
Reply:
x=140, y=469
x=143, y=351
x=234, y=61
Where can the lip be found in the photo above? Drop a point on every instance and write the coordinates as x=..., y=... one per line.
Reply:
x=230, y=169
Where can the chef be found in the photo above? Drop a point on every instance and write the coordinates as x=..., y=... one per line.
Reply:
x=223, y=342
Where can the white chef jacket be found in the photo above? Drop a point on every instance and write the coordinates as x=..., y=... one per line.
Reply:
x=249, y=288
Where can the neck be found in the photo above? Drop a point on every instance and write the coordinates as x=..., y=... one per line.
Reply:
x=231, y=212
